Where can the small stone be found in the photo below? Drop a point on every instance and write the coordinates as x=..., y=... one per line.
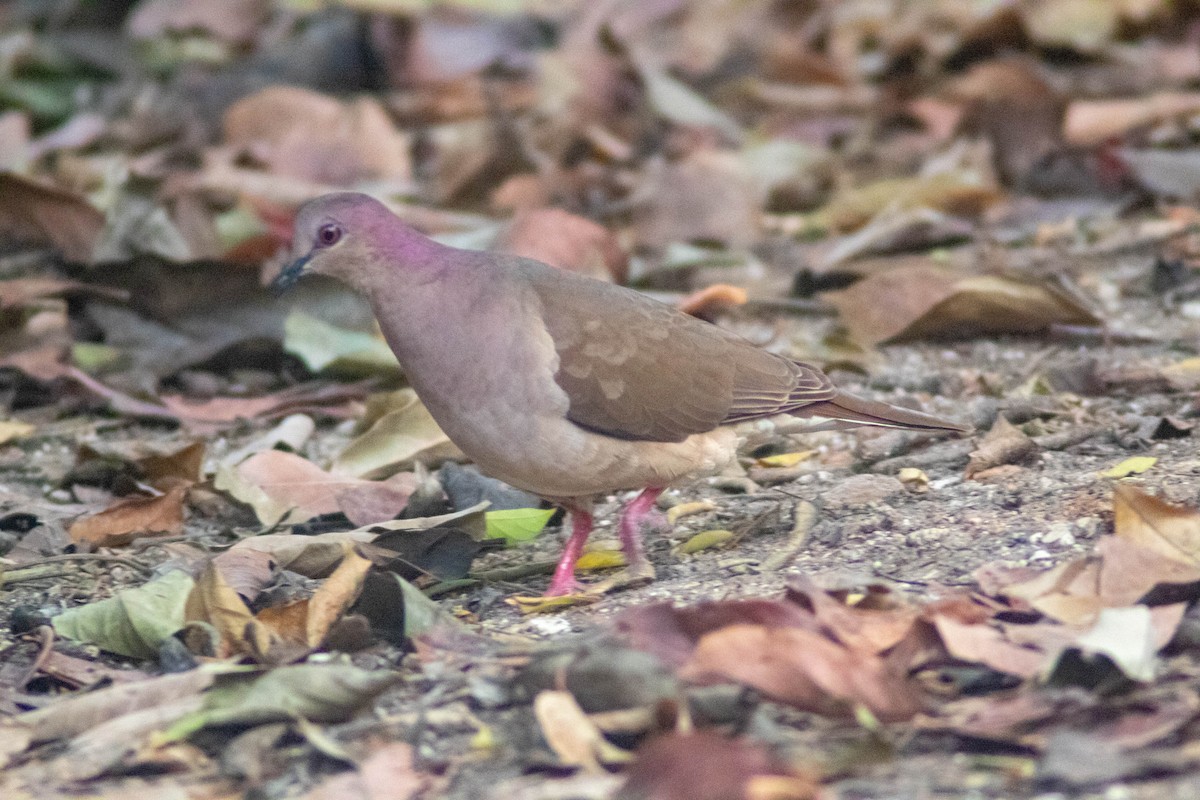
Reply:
x=548, y=626
x=1058, y=532
x=1040, y=555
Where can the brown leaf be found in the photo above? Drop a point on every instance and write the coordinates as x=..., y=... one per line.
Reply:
x=706, y=198
x=128, y=519
x=707, y=766
x=712, y=300
x=925, y=302
x=40, y=214
x=311, y=136
x=388, y=773
x=246, y=571
x=671, y=633
x=873, y=630
x=330, y=602
x=1003, y=444
x=214, y=601
x=803, y=669
x=566, y=241
x=1169, y=530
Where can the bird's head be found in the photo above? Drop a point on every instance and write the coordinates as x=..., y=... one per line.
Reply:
x=345, y=235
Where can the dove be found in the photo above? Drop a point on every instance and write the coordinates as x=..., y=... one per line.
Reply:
x=559, y=384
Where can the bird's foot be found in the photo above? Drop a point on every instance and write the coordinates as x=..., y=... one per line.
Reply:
x=561, y=588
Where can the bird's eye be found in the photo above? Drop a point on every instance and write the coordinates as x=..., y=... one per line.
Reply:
x=328, y=235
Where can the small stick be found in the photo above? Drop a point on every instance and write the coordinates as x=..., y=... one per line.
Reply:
x=803, y=520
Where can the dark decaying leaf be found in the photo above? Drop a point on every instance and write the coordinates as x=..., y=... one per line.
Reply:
x=444, y=553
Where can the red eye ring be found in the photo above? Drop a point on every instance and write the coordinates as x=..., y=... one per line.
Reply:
x=328, y=235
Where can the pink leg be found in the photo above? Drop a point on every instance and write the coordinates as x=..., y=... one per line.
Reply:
x=563, y=581
x=631, y=524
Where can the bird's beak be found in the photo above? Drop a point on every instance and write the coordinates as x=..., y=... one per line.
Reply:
x=288, y=275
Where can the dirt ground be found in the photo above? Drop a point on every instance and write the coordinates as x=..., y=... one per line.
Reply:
x=870, y=529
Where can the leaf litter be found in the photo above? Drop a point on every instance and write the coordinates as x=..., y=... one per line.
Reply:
x=1007, y=239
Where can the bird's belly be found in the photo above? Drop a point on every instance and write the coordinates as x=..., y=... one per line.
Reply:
x=550, y=456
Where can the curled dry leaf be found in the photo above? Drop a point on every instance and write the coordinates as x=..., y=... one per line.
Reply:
x=131, y=518
x=572, y=736
x=925, y=302
x=712, y=300
x=1004, y=444
x=40, y=214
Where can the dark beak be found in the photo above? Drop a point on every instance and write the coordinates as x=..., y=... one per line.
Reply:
x=288, y=276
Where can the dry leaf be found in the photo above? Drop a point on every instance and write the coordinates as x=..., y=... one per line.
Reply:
x=40, y=214
x=566, y=241
x=331, y=600
x=304, y=134
x=1003, y=444
x=128, y=519
x=803, y=669
x=930, y=303
x=1169, y=530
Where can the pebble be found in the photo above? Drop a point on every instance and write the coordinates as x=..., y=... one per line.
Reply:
x=548, y=626
x=1060, y=533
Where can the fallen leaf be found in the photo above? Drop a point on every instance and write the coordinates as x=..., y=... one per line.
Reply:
x=572, y=736
x=706, y=540
x=920, y=302
x=388, y=773
x=213, y=601
x=803, y=669
x=705, y=765
x=1003, y=444
x=327, y=348
x=133, y=622
x=11, y=429
x=131, y=518
x=566, y=241
x=316, y=692
x=1169, y=530
x=40, y=214
x=304, y=134
x=402, y=431
x=332, y=599
x=517, y=524
x=1130, y=466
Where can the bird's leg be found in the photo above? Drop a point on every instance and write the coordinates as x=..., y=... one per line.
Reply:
x=631, y=531
x=564, y=581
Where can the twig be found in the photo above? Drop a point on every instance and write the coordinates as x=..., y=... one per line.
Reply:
x=37, y=569
x=805, y=516
x=515, y=573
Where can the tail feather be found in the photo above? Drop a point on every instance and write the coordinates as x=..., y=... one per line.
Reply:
x=858, y=411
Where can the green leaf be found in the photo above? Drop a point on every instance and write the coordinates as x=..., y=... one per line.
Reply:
x=517, y=524
x=133, y=623
x=322, y=346
x=317, y=692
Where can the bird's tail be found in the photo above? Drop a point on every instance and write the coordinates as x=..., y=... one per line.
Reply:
x=857, y=411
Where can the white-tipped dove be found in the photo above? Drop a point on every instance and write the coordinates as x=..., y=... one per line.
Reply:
x=560, y=384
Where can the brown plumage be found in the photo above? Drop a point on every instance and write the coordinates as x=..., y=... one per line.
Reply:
x=560, y=384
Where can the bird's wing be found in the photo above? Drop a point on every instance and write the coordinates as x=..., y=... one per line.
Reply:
x=635, y=368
